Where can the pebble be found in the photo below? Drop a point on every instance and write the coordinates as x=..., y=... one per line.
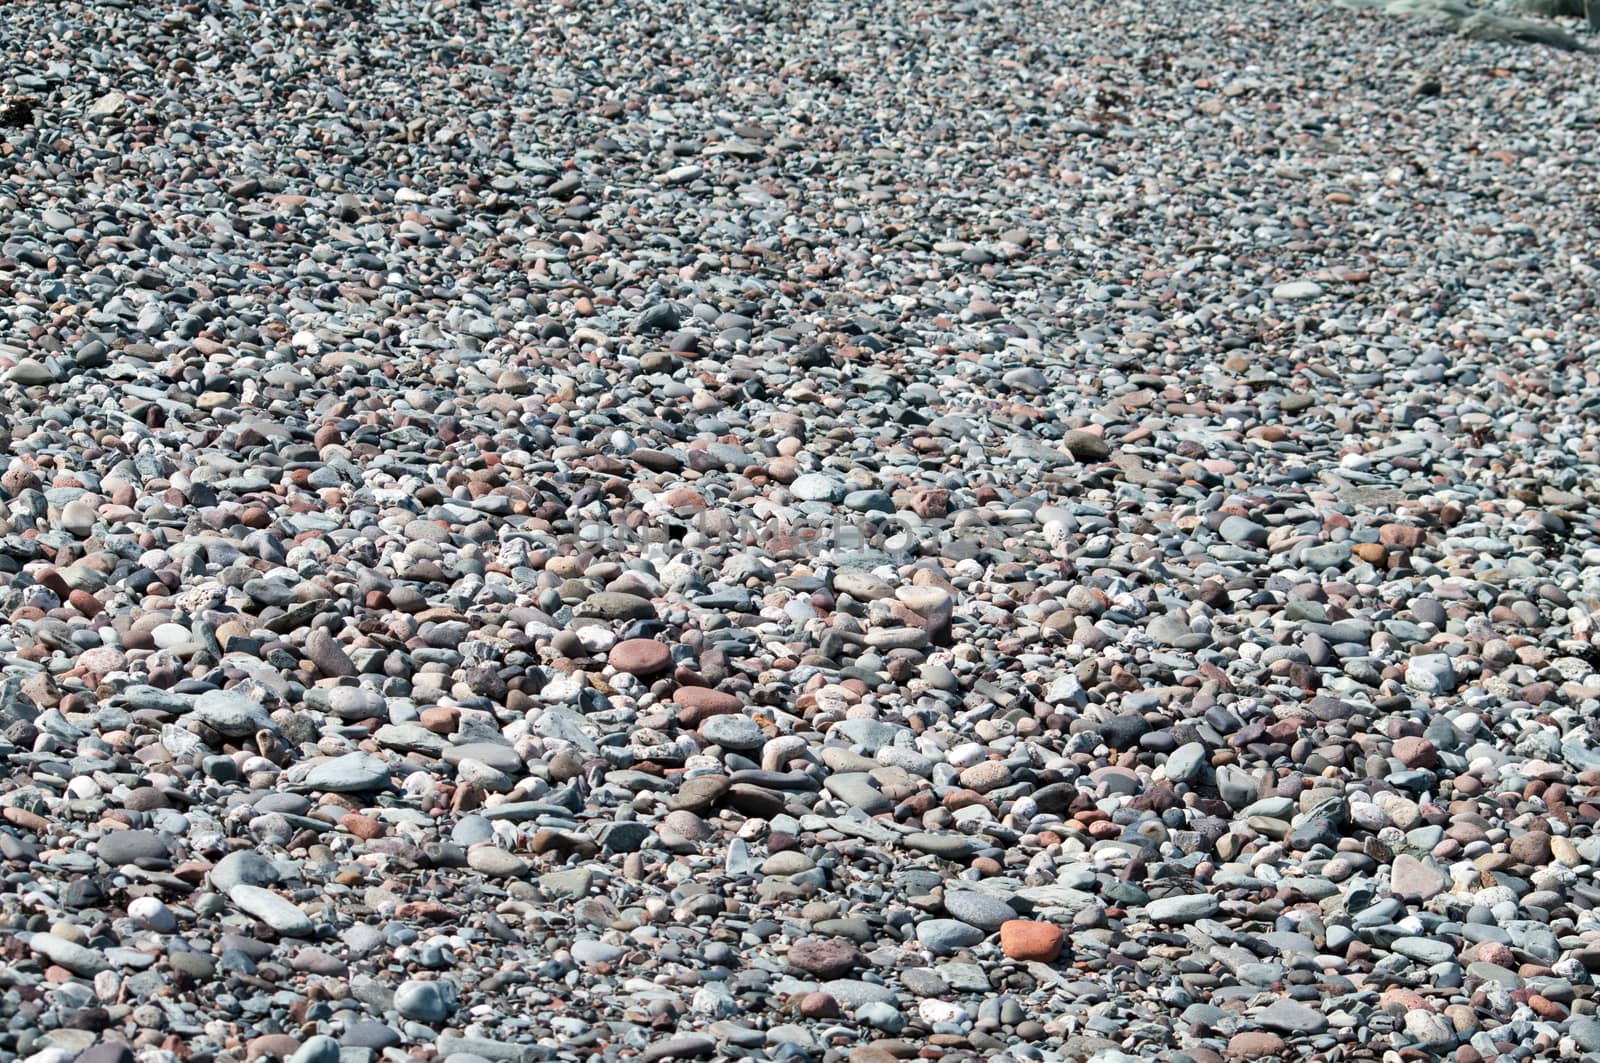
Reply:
x=425, y=1001
x=978, y=909
x=277, y=912
x=1184, y=908
x=1037, y=942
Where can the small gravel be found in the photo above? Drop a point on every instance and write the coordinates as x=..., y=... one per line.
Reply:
x=827, y=532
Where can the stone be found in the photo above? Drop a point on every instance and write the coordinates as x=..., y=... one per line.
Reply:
x=1183, y=908
x=1292, y=1017
x=640, y=657
x=1532, y=848
x=319, y=1048
x=1255, y=1045
x=145, y=848
x=826, y=958
x=978, y=909
x=231, y=714
x=431, y=1001
x=1413, y=878
x=943, y=937
x=1416, y=753
x=81, y=961
x=242, y=866
x=1184, y=763
x=495, y=862
x=1430, y=673
x=348, y=773
x=1295, y=291
x=1026, y=940
x=689, y=1046
x=275, y=910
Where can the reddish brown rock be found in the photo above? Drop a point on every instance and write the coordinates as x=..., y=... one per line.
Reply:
x=1532, y=848
x=819, y=1006
x=640, y=657
x=1256, y=1044
x=440, y=719
x=930, y=502
x=1405, y=536
x=825, y=958
x=1024, y=939
x=1416, y=753
x=697, y=704
x=365, y=827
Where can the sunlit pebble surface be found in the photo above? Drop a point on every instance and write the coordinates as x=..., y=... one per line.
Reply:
x=826, y=531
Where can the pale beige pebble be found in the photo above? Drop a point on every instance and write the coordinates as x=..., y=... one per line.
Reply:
x=1565, y=852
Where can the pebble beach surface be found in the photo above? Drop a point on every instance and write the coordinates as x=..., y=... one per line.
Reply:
x=795, y=531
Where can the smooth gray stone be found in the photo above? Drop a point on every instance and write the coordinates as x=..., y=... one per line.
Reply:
x=978, y=909
x=242, y=866
x=1185, y=908
x=232, y=714
x=275, y=910
x=429, y=1001
x=852, y=992
x=349, y=773
x=78, y=959
x=945, y=936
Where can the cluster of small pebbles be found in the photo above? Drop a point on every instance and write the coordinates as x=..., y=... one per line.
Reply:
x=829, y=531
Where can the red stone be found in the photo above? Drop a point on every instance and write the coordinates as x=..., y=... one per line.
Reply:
x=365, y=827
x=697, y=704
x=1024, y=939
x=640, y=657
x=440, y=719
x=1416, y=752
x=826, y=958
x=1255, y=1044
x=1405, y=536
x=819, y=1006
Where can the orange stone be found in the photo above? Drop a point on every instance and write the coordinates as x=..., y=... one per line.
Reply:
x=1024, y=939
x=1374, y=553
x=365, y=827
x=440, y=719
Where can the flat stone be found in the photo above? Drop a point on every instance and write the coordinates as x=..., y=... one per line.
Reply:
x=1292, y=1017
x=1294, y=291
x=1256, y=1044
x=231, y=714
x=1183, y=908
x=617, y=605
x=1424, y=950
x=145, y=848
x=826, y=958
x=858, y=790
x=945, y=936
x=273, y=909
x=80, y=960
x=640, y=657
x=348, y=773
x=978, y=909
x=496, y=862
x=242, y=866
x=692, y=1046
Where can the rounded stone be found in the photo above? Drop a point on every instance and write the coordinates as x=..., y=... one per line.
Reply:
x=1027, y=940
x=640, y=657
